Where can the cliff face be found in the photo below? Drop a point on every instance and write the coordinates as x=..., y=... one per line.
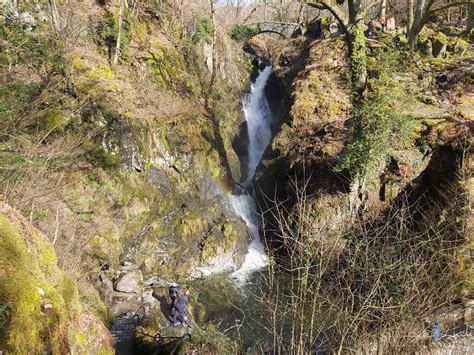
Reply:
x=41, y=307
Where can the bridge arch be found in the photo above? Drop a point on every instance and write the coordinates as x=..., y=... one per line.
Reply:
x=284, y=29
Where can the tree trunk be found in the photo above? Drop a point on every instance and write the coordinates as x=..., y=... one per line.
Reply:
x=54, y=15
x=409, y=15
x=358, y=57
x=417, y=24
x=383, y=8
x=119, y=34
x=470, y=18
x=354, y=11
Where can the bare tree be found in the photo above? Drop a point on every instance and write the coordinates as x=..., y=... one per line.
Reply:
x=425, y=9
x=470, y=18
x=119, y=33
x=409, y=15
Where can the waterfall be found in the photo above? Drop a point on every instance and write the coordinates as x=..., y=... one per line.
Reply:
x=258, y=117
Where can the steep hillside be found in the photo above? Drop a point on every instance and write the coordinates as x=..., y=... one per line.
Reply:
x=41, y=309
x=116, y=142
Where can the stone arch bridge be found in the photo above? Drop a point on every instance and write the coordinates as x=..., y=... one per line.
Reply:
x=284, y=29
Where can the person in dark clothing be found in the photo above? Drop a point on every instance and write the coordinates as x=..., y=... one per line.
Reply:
x=180, y=308
x=173, y=295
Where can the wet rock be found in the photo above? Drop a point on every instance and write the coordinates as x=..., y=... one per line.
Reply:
x=130, y=282
x=159, y=178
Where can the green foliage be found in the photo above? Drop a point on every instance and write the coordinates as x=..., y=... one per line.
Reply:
x=107, y=34
x=358, y=63
x=203, y=30
x=243, y=32
x=210, y=341
x=18, y=46
x=377, y=126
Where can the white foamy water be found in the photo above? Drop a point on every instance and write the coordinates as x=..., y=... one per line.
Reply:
x=255, y=259
x=258, y=117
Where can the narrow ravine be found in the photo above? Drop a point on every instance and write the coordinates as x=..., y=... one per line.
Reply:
x=258, y=119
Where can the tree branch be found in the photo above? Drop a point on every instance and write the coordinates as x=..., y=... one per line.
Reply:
x=449, y=5
x=336, y=12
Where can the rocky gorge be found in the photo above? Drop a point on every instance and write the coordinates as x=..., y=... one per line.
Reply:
x=127, y=164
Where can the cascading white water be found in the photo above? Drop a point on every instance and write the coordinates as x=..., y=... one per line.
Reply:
x=258, y=118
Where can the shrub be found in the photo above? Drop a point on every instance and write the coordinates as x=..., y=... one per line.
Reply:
x=202, y=30
x=243, y=32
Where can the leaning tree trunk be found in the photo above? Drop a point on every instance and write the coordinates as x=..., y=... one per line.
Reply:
x=417, y=24
x=358, y=72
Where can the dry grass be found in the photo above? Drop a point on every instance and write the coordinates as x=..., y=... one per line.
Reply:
x=373, y=284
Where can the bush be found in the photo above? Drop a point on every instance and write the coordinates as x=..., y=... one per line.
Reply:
x=202, y=31
x=243, y=32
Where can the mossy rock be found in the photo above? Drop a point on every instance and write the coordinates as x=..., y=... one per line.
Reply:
x=190, y=225
x=107, y=244
x=52, y=120
x=460, y=47
x=440, y=42
x=316, y=100
x=426, y=47
x=44, y=302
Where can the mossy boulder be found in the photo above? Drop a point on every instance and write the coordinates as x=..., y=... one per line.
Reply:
x=440, y=42
x=426, y=47
x=460, y=47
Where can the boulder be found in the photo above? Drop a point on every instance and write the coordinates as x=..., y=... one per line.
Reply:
x=390, y=26
x=334, y=29
x=374, y=27
x=207, y=52
x=106, y=283
x=460, y=47
x=129, y=282
x=439, y=42
x=426, y=47
x=28, y=21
